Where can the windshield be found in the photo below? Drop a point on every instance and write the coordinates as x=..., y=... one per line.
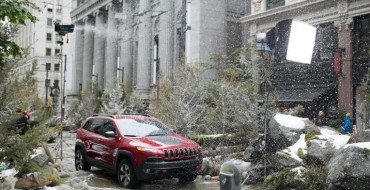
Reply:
x=141, y=128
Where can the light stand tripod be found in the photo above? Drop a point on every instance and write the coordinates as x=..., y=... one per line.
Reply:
x=59, y=146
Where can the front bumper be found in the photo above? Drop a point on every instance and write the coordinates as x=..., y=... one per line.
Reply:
x=165, y=169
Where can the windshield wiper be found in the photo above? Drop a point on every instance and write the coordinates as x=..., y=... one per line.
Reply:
x=157, y=134
x=130, y=135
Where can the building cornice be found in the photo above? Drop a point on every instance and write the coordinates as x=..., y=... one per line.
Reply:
x=288, y=11
x=88, y=8
x=339, y=12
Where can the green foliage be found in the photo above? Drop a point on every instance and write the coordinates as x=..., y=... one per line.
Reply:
x=280, y=180
x=298, y=110
x=88, y=103
x=226, y=105
x=311, y=135
x=14, y=12
x=16, y=149
x=366, y=151
x=301, y=155
x=315, y=178
x=114, y=100
x=336, y=121
x=312, y=178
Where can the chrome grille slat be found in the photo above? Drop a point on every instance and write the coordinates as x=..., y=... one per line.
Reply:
x=180, y=153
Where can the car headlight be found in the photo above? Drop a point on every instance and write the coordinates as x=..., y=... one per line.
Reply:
x=143, y=149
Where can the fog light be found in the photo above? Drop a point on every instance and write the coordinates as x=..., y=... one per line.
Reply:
x=147, y=170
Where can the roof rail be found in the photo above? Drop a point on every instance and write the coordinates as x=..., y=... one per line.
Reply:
x=104, y=114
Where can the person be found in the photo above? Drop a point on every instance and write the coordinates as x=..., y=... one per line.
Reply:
x=321, y=120
x=22, y=124
x=27, y=114
x=347, y=125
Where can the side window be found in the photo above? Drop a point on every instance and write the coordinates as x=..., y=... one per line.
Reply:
x=87, y=125
x=94, y=125
x=108, y=126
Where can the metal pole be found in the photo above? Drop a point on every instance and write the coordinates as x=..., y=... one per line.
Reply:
x=64, y=87
x=46, y=86
x=61, y=82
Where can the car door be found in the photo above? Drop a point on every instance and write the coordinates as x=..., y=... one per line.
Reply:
x=92, y=140
x=108, y=144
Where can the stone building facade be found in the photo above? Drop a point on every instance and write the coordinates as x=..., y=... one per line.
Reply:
x=342, y=24
x=41, y=41
x=132, y=41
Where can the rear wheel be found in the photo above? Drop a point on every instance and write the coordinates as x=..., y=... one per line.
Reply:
x=126, y=175
x=187, y=178
x=80, y=161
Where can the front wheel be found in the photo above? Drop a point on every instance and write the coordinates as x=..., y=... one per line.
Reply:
x=187, y=178
x=80, y=161
x=126, y=175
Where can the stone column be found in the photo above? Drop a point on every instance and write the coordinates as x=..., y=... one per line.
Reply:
x=111, y=48
x=166, y=38
x=87, y=53
x=345, y=84
x=127, y=42
x=79, y=47
x=144, y=50
x=99, y=47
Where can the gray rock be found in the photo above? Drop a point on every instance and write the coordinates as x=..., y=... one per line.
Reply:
x=320, y=152
x=282, y=160
x=6, y=184
x=285, y=136
x=41, y=159
x=349, y=169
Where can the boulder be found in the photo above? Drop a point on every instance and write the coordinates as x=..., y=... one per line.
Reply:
x=282, y=160
x=41, y=159
x=349, y=168
x=31, y=181
x=286, y=129
x=319, y=152
x=322, y=147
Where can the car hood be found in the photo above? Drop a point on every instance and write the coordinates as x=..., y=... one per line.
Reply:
x=163, y=141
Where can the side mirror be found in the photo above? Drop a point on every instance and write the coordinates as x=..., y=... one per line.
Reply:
x=110, y=134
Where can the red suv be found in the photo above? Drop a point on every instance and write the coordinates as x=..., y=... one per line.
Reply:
x=135, y=148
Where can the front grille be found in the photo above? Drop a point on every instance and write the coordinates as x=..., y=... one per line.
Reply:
x=182, y=153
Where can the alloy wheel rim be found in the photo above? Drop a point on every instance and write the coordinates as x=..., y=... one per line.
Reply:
x=125, y=174
x=79, y=160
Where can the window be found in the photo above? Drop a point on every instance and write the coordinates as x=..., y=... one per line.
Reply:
x=270, y=4
x=57, y=51
x=48, y=52
x=57, y=38
x=48, y=65
x=59, y=8
x=56, y=67
x=50, y=8
x=93, y=125
x=108, y=126
x=58, y=21
x=48, y=37
x=50, y=22
x=155, y=60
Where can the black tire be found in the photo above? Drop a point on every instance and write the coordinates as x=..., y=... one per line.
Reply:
x=126, y=175
x=188, y=178
x=80, y=160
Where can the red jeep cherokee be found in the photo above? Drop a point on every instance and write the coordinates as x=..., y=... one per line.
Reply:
x=135, y=148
